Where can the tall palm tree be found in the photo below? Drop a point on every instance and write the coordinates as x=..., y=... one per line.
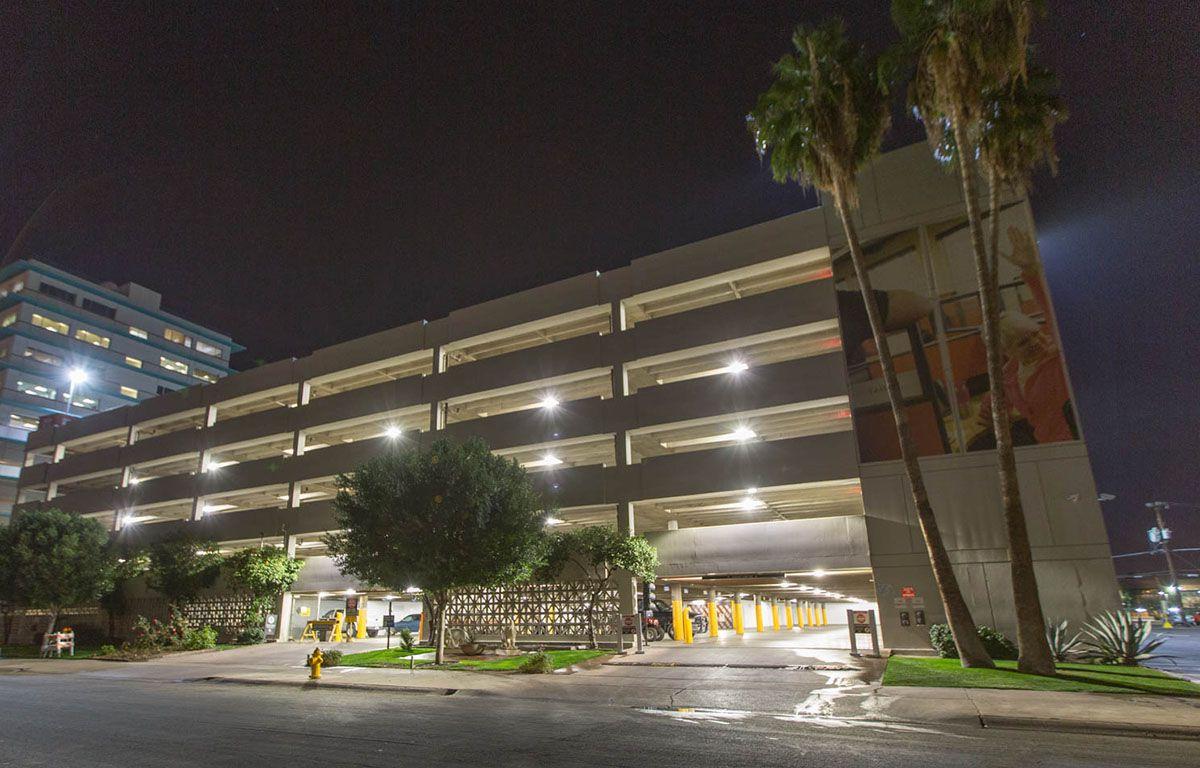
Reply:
x=967, y=54
x=822, y=121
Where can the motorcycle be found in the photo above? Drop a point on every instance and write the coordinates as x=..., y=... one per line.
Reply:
x=652, y=630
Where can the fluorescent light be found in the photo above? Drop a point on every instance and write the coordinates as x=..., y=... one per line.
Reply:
x=749, y=503
x=350, y=591
x=392, y=432
x=549, y=460
x=742, y=434
x=412, y=590
x=130, y=519
x=751, y=491
x=739, y=435
x=308, y=544
x=553, y=521
x=211, y=465
x=134, y=480
x=737, y=366
x=77, y=376
x=549, y=402
x=217, y=507
x=303, y=496
x=818, y=573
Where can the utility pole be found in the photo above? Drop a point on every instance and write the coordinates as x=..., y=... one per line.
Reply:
x=1165, y=539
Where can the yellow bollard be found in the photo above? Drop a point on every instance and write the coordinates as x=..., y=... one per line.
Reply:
x=676, y=618
x=775, y=615
x=758, y=620
x=787, y=609
x=360, y=625
x=712, y=619
x=315, y=660
x=339, y=622
x=811, y=618
x=824, y=616
x=687, y=625
x=739, y=627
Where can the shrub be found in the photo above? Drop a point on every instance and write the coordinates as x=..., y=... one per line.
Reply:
x=1062, y=643
x=253, y=633
x=1115, y=638
x=997, y=645
x=199, y=639
x=330, y=658
x=537, y=663
x=88, y=636
x=106, y=650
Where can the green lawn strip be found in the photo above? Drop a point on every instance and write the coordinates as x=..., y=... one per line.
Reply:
x=1092, y=678
x=394, y=657
x=33, y=652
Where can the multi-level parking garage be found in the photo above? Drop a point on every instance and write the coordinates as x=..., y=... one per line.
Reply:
x=699, y=395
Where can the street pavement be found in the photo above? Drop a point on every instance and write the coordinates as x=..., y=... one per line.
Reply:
x=1183, y=646
x=81, y=720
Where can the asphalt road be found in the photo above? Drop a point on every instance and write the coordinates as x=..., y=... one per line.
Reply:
x=1183, y=648
x=72, y=720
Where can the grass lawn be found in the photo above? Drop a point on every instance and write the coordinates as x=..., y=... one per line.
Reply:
x=1093, y=678
x=398, y=658
x=33, y=652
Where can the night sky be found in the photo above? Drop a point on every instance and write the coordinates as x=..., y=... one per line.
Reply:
x=296, y=177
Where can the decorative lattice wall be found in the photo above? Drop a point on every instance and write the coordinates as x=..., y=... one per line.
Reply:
x=539, y=610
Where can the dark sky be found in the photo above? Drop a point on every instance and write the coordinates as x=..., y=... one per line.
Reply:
x=297, y=177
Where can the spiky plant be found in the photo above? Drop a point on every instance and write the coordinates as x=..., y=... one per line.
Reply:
x=1063, y=644
x=822, y=121
x=1115, y=638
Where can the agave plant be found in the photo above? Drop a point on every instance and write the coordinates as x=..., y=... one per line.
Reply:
x=1063, y=645
x=1115, y=638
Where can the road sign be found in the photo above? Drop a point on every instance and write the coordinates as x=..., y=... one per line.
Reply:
x=629, y=624
x=908, y=593
x=862, y=623
x=389, y=621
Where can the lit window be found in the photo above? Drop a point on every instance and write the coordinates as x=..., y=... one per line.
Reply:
x=20, y=421
x=81, y=401
x=204, y=375
x=8, y=320
x=54, y=326
x=15, y=287
x=173, y=365
x=170, y=334
x=138, y=332
x=94, y=339
x=42, y=356
x=129, y=392
x=133, y=362
x=208, y=349
x=37, y=390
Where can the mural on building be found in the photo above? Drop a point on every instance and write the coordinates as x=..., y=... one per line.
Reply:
x=924, y=280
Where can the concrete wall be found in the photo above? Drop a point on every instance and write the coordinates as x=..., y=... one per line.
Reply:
x=1070, y=545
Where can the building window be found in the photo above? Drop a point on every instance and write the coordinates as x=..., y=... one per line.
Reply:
x=21, y=421
x=8, y=320
x=42, y=356
x=81, y=401
x=133, y=362
x=163, y=390
x=170, y=334
x=94, y=339
x=100, y=309
x=54, y=292
x=54, y=326
x=173, y=365
x=129, y=392
x=204, y=375
x=14, y=287
x=208, y=349
x=138, y=332
x=37, y=390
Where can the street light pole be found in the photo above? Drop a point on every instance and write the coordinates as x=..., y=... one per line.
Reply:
x=1158, y=507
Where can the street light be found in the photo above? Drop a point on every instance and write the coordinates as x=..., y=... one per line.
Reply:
x=76, y=376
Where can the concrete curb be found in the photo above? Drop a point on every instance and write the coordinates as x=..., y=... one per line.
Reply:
x=1177, y=732
x=313, y=685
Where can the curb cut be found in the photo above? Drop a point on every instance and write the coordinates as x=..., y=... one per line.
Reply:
x=311, y=685
x=1174, y=732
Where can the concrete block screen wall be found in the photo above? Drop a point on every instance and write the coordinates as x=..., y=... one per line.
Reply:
x=709, y=396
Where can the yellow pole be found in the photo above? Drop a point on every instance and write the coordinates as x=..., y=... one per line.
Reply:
x=712, y=613
x=775, y=615
x=758, y=621
x=739, y=625
x=811, y=617
x=360, y=628
x=687, y=624
x=824, y=616
x=787, y=609
x=677, y=613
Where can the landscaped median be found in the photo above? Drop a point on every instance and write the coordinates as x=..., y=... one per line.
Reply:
x=1071, y=677
x=398, y=658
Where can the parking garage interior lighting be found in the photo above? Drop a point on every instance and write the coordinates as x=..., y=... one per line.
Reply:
x=739, y=435
x=211, y=465
x=77, y=376
x=549, y=402
x=217, y=507
x=749, y=503
x=549, y=460
x=553, y=521
x=737, y=366
x=392, y=432
x=132, y=519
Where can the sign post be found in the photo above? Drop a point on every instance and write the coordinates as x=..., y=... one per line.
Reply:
x=863, y=623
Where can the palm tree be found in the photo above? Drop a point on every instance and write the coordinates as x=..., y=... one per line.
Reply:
x=968, y=56
x=822, y=121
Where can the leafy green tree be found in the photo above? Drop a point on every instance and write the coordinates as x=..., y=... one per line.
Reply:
x=443, y=518
x=115, y=600
x=61, y=560
x=594, y=554
x=181, y=567
x=969, y=58
x=10, y=599
x=822, y=121
x=266, y=572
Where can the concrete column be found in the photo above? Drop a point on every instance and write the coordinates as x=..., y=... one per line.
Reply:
x=775, y=615
x=672, y=525
x=713, y=631
x=824, y=616
x=51, y=490
x=678, y=613
x=303, y=394
x=283, y=607
x=787, y=607
x=210, y=415
x=618, y=316
x=758, y=619
x=620, y=380
x=131, y=435
x=298, y=440
x=739, y=621
x=60, y=451
x=621, y=448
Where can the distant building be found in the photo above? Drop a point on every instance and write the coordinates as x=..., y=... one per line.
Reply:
x=71, y=348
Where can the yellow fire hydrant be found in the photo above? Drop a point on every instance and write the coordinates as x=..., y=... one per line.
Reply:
x=315, y=660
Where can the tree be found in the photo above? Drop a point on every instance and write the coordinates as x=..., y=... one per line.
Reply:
x=10, y=599
x=266, y=572
x=115, y=600
x=969, y=56
x=441, y=518
x=181, y=567
x=822, y=121
x=594, y=554
x=61, y=560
